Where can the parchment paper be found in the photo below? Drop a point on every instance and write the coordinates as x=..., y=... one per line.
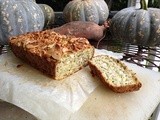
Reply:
x=48, y=99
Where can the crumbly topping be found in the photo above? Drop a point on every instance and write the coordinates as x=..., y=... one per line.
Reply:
x=49, y=43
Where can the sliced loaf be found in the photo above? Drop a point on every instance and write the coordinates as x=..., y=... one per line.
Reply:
x=114, y=74
x=57, y=55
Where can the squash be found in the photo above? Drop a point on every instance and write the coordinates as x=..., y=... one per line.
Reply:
x=86, y=10
x=49, y=15
x=137, y=26
x=18, y=17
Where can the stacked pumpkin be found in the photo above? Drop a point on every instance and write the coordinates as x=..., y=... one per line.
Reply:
x=137, y=26
x=21, y=16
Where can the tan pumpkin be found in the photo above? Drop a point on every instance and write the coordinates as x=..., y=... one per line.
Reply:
x=86, y=10
x=49, y=15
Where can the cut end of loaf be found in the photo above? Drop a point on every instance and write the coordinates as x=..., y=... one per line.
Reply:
x=114, y=74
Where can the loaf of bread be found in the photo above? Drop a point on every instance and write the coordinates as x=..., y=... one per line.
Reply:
x=114, y=74
x=56, y=55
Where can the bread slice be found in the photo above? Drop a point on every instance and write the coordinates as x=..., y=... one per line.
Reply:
x=56, y=55
x=114, y=74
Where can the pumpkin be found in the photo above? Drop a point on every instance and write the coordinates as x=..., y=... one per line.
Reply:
x=86, y=10
x=49, y=15
x=18, y=17
x=137, y=26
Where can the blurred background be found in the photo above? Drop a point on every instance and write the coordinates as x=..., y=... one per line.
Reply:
x=114, y=5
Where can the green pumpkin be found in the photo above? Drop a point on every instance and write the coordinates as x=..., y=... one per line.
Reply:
x=137, y=26
x=86, y=10
x=49, y=15
x=19, y=17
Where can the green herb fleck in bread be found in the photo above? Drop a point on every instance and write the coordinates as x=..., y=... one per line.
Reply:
x=114, y=74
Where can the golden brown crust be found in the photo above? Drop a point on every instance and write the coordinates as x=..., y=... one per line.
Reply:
x=46, y=66
x=49, y=43
x=119, y=89
x=45, y=50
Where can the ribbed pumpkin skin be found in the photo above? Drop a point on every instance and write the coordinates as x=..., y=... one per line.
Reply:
x=49, y=14
x=18, y=17
x=141, y=27
x=86, y=10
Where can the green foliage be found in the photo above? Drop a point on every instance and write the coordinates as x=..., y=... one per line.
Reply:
x=119, y=4
x=154, y=3
x=58, y=5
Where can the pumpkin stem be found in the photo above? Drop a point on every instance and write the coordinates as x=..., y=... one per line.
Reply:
x=143, y=4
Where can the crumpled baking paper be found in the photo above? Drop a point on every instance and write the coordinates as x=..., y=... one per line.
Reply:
x=79, y=96
x=26, y=87
x=19, y=80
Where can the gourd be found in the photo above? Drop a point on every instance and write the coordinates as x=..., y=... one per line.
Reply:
x=49, y=15
x=86, y=10
x=137, y=26
x=18, y=17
